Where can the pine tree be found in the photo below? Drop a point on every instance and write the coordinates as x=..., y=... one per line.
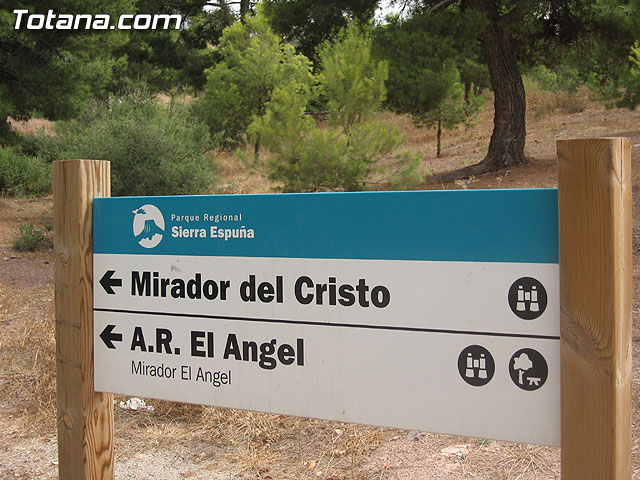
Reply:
x=254, y=63
x=356, y=149
x=425, y=64
x=54, y=72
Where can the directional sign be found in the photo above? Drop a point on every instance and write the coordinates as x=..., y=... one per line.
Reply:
x=108, y=337
x=108, y=282
x=434, y=311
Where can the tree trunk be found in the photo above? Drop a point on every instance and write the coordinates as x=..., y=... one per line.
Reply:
x=439, y=134
x=245, y=7
x=506, y=148
x=509, y=129
x=256, y=149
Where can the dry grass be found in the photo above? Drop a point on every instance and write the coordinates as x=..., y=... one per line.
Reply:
x=236, y=174
x=542, y=104
x=32, y=126
x=27, y=354
x=522, y=461
x=257, y=445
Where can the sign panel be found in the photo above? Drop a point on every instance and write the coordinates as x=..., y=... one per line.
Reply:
x=435, y=311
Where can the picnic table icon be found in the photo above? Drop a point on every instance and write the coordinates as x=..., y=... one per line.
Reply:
x=534, y=381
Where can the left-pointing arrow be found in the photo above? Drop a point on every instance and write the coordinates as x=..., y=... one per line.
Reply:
x=108, y=337
x=108, y=283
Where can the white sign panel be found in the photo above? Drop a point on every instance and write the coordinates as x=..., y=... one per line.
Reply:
x=337, y=306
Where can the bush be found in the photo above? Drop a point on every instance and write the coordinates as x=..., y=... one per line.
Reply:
x=21, y=175
x=355, y=151
x=41, y=145
x=153, y=149
x=562, y=78
x=31, y=239
x=327, y=159
x=630, y=80
x=254, y=62
x=351, y=79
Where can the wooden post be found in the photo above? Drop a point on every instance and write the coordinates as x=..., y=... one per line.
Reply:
x=594, y=190
x=85, y=418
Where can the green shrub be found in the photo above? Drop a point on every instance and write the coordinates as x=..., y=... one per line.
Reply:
x=544, y=78
x=630, y=80
x=355, y=151
x=351, y=79
x=21, y=175
x=327, y=159
x=46, y=147
x=153, y=149
x=254, y=62
x=562, y=78
x=31, y=238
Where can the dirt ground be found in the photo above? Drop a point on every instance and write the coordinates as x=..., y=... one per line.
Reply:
x=191, y=442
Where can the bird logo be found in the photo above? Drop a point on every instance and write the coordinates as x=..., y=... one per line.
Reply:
x=148, y=225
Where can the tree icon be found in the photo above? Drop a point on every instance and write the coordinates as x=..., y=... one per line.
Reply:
x=522, y=363
x=528, y=369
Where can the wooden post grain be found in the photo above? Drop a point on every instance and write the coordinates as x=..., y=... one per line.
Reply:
x=594, y=198
x=85, y=418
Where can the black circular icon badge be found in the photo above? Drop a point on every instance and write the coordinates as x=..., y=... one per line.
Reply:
x=476, y=365
x=528, y=369
x=527, y=298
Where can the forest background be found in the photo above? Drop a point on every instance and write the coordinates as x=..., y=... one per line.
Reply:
x=298, y=89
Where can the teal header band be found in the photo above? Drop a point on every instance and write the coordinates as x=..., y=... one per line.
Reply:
x=519, y=226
